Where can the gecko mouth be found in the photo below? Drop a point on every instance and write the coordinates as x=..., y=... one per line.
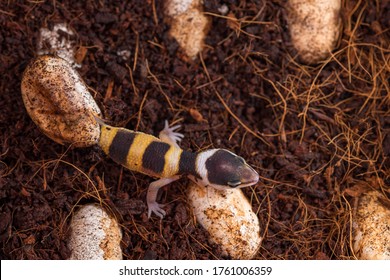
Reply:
x=251, y=177
x=247, y=184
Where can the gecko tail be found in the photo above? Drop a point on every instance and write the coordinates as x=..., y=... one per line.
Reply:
x=98, y=119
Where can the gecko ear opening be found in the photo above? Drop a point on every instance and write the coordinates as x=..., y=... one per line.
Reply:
x=234, y=184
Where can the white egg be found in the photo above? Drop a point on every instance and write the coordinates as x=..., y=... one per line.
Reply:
x=314, y=26
x=59, y=102
x=189, y=25
x=371, y=226
x=94, y=235
x=229, y=219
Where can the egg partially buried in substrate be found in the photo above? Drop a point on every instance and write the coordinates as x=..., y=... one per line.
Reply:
x=189, y=24
x=94, y=235
x=371, y=225
x=59, y=103
x=229, y=219
x=315, y=26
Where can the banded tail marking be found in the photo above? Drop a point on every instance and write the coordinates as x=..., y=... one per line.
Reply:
x=145, y=153
x=120, y=146
x=187, y=164
x=135, y=155
x=153, y=158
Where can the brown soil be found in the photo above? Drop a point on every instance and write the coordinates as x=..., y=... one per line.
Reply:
x=318, y=135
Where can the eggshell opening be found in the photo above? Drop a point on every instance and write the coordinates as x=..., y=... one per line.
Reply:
x=58, y=101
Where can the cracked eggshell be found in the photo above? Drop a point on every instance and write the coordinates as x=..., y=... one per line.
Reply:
x=315, y=26
x=58, y=101
x=371, y=226
x=94, y=235
x=229, y=219
x=189, y=25
x=59, y=40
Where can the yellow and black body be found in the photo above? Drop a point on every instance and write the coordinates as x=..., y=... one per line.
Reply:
x=163, y=158
x=146, y=153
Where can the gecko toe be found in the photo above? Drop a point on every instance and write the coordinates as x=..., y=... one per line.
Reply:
x=157, y=210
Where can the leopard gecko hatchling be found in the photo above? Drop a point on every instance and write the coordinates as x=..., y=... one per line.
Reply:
x=163, y=158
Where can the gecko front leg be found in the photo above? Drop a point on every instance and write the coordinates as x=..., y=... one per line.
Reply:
x=168, y=135
x=153, y=206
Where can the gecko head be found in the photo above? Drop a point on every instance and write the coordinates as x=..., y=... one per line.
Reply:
x=224, y=170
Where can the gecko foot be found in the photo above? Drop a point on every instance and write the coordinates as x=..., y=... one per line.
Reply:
x=169, y=135
x=156, y=209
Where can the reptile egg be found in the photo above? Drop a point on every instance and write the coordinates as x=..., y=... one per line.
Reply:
x=58, y=101
x=94, y=235
x=371, y=226
x=189, y=25
x=229, y=219
x=314, y=27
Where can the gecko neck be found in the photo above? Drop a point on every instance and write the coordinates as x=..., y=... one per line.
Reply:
x=187, y=164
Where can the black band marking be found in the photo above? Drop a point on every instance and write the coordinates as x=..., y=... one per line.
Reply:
x=187, y=164
x=120, y=146
x=153, y=158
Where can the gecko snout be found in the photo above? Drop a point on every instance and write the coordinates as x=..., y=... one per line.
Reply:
x=248, y=175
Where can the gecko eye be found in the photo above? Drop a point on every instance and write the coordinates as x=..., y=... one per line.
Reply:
x=234, y=184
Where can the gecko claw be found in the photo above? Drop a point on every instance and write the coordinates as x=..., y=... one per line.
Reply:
x=168, y=134
x=157, y=210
